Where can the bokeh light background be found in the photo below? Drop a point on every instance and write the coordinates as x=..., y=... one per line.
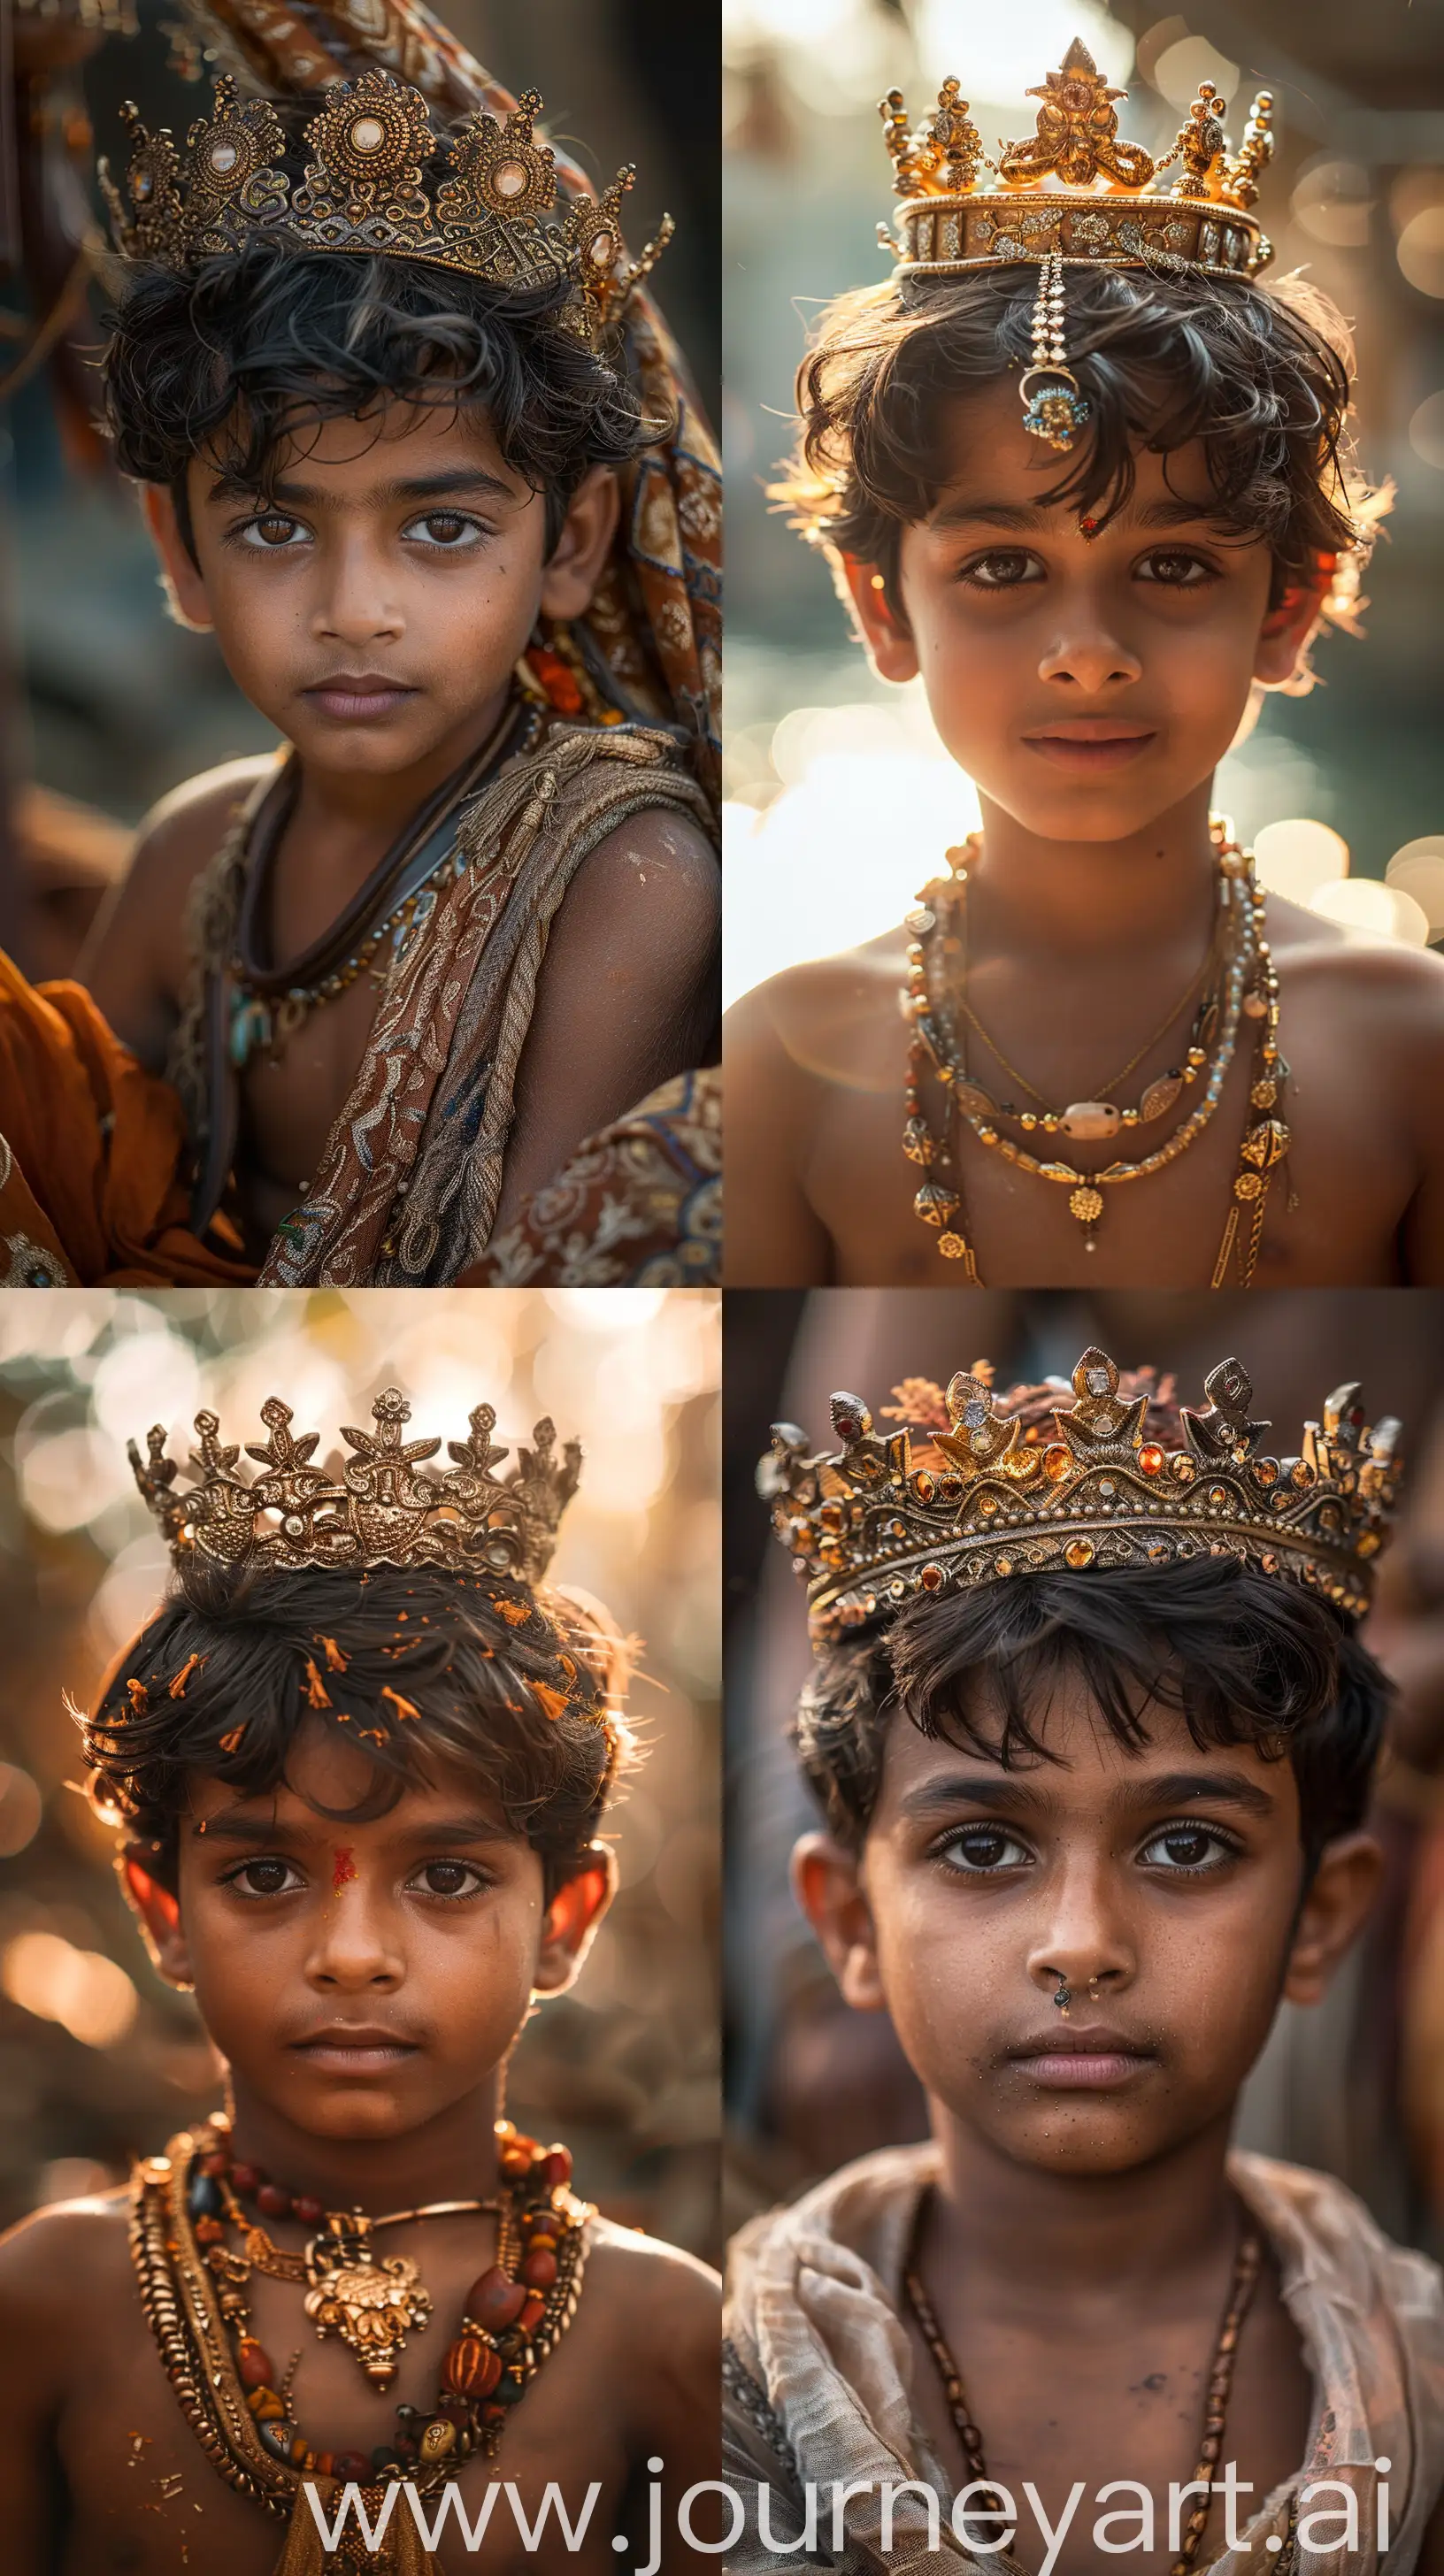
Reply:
x=841, y=800
x=99, y=2060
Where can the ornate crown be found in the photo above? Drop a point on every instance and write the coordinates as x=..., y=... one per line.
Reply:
x=874, y=1525
x=377, y=1511
x=1073, y=189
x=377, y=178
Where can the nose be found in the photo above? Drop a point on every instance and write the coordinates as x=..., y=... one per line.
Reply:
x=1085, y=655
x=354, y=1946
x=357, y=602
x=1082, y=1951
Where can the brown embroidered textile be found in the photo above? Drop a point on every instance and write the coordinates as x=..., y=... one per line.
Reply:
x=819, y=2386
x=408, y=1183
x=638, y=1206
x=656, y=622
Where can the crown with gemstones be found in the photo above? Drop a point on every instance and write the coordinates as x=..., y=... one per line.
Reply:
x=377, y=1508
x=482, y=199
x=1074, y=188
x=882, y=1520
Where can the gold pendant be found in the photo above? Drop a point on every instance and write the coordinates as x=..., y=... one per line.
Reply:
x=372, y=2306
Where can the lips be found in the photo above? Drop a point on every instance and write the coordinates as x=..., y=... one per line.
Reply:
x=1079, y=2061
x=359, y=696
x=354, y=2047
x=1090, y=742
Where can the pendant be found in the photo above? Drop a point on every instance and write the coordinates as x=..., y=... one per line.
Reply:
x=1085, y=1119
x=372, y=2306
x=1087, y=1205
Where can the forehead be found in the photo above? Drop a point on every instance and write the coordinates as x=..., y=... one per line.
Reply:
x=324, y=1769
x=1086, y=1772
x=353, y=456
x=982, y=453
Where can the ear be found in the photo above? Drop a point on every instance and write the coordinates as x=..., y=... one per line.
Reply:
x=827, y=1883
x=1332, y=1915
x=160, y=1921
x=885, y=634
x=184, y=589
x=571, y=575
x=1286, y=629
x=571, y=1919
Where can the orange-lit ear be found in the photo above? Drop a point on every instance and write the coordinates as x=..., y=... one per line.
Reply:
x=160, y=1921
x=894, y=656
x=572, y=1918
x=1289, y=624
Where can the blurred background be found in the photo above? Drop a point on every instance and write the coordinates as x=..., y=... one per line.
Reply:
x=104, y=703
x=822, y=758
x=1355, y=2087
x=99, y=2060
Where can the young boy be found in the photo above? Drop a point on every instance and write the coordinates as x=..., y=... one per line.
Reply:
x=1094, y=581
x=358, y=1758
x=1094, y=1737
x=376, y=395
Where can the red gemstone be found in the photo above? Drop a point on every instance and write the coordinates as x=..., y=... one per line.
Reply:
x=350, y=2464
x=532, y=2314
x=1151, y=1459
x=495, y=2300
x=245, y=2179
x=310, y=2212
x=215, y=2164
x=272, y=2202
x=471, y=2368
x=555, y=2168
x=539, y=2270
x=254, y=2365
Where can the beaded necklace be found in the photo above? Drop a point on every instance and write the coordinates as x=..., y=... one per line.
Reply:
x=1247, y=989
x=193, y=2288
x=1247, y=2265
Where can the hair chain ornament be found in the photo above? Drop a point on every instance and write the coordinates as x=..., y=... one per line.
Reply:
x=377, y=1510
x=879, y=1523
x=1054, y=407
x=378, y=178
x=1248, y=2263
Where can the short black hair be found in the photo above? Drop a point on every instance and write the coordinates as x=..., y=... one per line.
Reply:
x=1263, y=377
x=243, y=352
x=418, y=1666
x=1246, y=1657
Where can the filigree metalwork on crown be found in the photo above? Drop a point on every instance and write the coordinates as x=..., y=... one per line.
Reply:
x=1074, y=188
x=377, y=177
x=377, y=1508
x=893, y=1516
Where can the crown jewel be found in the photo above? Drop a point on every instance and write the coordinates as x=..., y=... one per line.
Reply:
x=1073, y=189
x=377, y=1509
x=378, y=178
x=873, y=1525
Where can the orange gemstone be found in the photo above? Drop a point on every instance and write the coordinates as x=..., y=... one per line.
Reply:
x=1150, y=1459
x=253, y=2365
x=931, y=1578
x=1056, y=1461
x=1079, y=1552
x=471, y=2368
x=532, y=2314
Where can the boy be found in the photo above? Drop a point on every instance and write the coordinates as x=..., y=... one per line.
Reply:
x=1093, y=582
x=359, y=1758
x=1094, y=1737
x=377, y=398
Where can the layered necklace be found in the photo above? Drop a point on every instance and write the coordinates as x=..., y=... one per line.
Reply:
x=1247, y=2265
x=195, y=2247
x=1237, y=985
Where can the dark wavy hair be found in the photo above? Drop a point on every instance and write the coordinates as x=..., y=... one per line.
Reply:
x=1246, y=1657
x=1264, y=379
x=244, y=353
x=420, y=1667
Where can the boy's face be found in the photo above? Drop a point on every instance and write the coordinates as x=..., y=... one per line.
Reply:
x=1170, y=1877
x=1086, y=684
x=361, y=1979
x=373, y=603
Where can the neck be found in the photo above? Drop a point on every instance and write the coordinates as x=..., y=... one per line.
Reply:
x=452, y=2156
x=1042, y=2238
x=353, y=806
x=1062, y=902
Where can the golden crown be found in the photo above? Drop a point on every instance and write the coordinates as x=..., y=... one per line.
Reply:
x=378, y=178
x=376, y=1510
x=874, y=1526
x=1073, y=189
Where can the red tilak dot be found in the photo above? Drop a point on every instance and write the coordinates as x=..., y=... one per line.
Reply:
x=345, y=1869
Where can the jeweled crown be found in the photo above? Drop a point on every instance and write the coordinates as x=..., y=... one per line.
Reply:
x=876, y=1524
x=378, y=178
x=377, y=1510
x=1074, y=188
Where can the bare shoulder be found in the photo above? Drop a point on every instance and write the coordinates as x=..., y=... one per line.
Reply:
x=1379, y=977
x=56, y=2266
x=659, y=2284
x=657, y=866
x=180, y=833
x=662, y=2315
x=849, y=994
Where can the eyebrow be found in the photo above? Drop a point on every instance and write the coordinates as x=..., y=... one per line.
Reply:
x=1007, y=1792
x=452, y=484
x=1031, y=516
x=233, y=1828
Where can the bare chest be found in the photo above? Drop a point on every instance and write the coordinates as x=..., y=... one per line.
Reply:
x=292, y=1094
x=1332, y=1215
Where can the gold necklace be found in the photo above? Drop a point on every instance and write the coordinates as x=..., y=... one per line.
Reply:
x=1250, y=989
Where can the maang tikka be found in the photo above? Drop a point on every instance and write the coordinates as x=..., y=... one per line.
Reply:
x=1055, y=407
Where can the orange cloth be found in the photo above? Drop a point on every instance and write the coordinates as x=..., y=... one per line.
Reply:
x=92, y=1156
